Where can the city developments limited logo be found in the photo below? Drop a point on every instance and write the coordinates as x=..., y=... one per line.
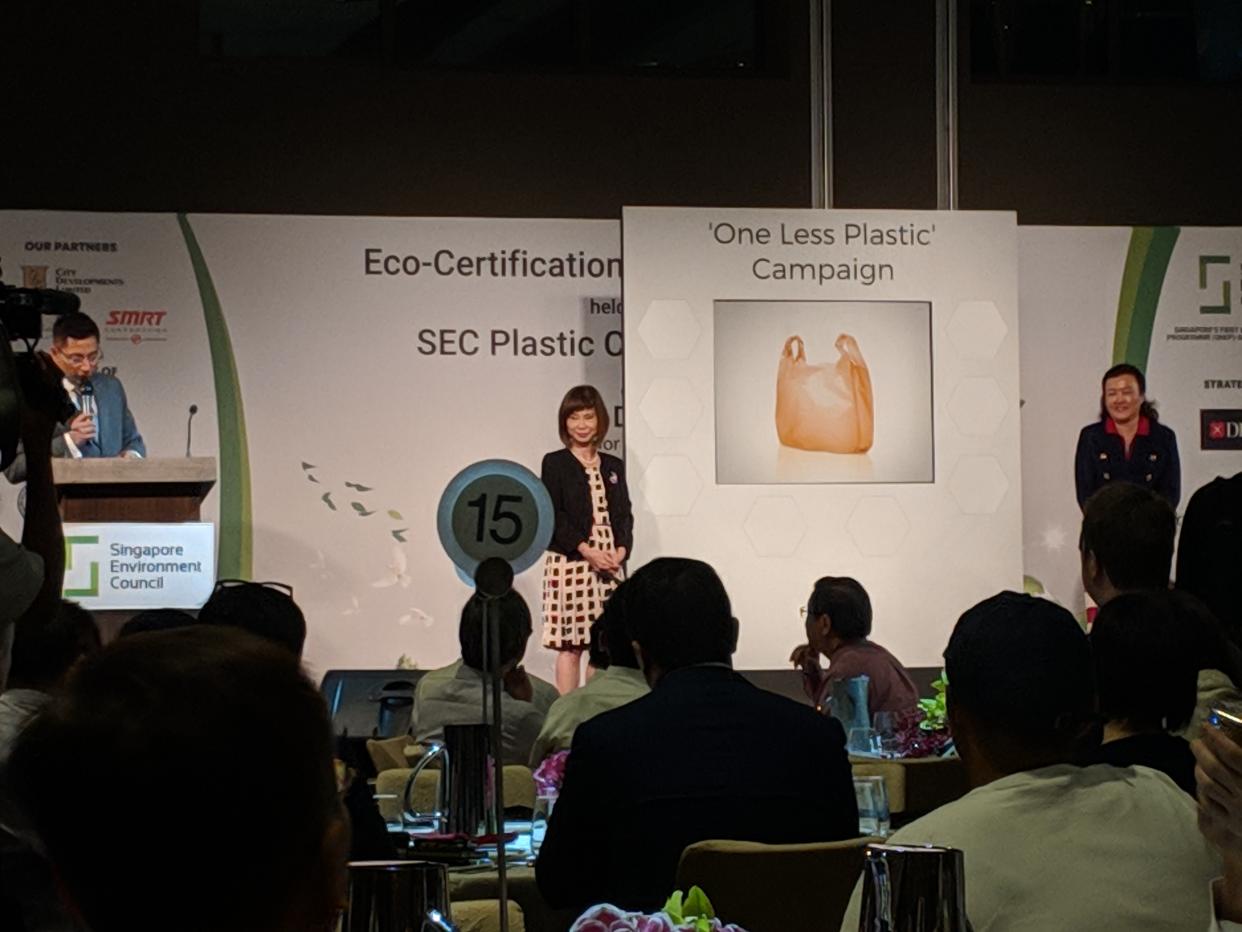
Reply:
x=92, y=589
x=34, y=276
x=1220, y=429
x=1215, y=281
x=132, y=326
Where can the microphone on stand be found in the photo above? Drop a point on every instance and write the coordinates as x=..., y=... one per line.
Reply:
x=189, y=427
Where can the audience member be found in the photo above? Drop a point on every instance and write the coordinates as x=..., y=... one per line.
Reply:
x=1209, y=551
x=838, y=625
x=1127, y=541
x=263, y=608
x=453, y=695
x=1048, y=844
x=704, y=755
x=1219, y=779
x=1145, y=669
x=43, y=656
x=31, y=574
x=210, y=756
x=617, y=680
x=156, y=619
x=1217, y=659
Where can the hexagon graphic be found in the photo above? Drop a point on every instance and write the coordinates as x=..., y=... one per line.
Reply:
x=670, y=485
x=669, y=330
x=878, y=526
x=978, y=406
x=976, y=329
x=978, y=484
x=670, y=407
x=774, y=526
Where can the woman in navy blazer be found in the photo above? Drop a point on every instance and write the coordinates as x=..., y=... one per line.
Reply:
x=593, y=534
x=1128, y=443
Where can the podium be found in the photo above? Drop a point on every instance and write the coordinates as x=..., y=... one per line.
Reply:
x=168, y=490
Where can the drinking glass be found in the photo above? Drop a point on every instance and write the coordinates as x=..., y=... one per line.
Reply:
x=885, y=726
x=539, y=822
x=862, y=742
x=871, y=794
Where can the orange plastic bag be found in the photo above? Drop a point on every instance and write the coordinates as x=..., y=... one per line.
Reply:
x=826, y=408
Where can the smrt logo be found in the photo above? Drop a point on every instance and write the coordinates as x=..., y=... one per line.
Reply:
x=1220, y=429
x=135, y=326
x=1226, y=286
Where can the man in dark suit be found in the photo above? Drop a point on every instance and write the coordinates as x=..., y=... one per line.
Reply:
x=704, y=755
x=102, y=425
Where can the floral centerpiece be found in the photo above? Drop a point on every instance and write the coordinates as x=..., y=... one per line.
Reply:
x=694, y=913
x=550, y=774
x=924, y=730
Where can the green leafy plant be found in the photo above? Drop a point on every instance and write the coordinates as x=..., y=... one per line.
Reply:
x=935, y=711
x=695, y=910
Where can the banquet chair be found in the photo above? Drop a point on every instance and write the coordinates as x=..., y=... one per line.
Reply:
x=388, y=753
x=774, y=888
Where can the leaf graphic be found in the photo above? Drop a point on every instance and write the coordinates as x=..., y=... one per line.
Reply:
x=311, y=478
x=306, y=467
x=361, y=509
x=359, y=487
x=399, y=534
x=395, y=515
x=327, y=500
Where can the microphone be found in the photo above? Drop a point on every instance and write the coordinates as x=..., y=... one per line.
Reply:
x=86, y=391
x=189, y=426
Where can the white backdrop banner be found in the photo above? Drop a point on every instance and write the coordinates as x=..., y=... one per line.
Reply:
x=1167, y=299
x=345, y=370
x=827, y=393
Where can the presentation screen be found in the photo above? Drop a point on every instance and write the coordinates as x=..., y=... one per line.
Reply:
x=815, y=393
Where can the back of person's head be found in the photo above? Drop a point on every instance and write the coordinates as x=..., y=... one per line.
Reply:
x=262, y=608
x=614, y=629
x=845, y=602
x=679, y=614
x=209, y=756
x=1146, y=666
x=515, y=630
x=74, y=326
x=156, y=619
x=1020, y=675
x=44, y=651
x=1129, y=530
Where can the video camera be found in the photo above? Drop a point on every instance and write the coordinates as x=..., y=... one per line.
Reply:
x=21, y=318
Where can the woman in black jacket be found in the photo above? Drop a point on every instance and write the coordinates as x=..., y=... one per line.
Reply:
x=1128, y=443
x=593, y=534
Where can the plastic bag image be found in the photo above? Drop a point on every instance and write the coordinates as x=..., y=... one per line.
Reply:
x=826, y=408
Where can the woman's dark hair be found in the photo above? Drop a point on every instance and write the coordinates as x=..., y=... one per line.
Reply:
x=1146, y=666
x=845, y=602
x=579, y=398
x=1147, y=409
x=515, y=629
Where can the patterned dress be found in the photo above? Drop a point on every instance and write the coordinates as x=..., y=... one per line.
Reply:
x=573, y=593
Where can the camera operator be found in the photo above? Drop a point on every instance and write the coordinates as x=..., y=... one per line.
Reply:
x=31, y=573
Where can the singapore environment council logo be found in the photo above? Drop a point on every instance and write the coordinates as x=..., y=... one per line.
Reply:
x=1225, y=305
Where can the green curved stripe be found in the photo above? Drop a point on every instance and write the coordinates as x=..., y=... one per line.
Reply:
x=1147, y=261
x=236, y=534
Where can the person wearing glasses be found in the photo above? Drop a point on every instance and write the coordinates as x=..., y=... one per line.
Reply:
x=1128, y=443
x=102, y=425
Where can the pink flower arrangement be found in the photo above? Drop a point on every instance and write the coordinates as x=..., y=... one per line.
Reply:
x=695, y=914
x=550, y=774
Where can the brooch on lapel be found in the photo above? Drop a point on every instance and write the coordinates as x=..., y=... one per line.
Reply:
x=1152, y=457
x=612, y=478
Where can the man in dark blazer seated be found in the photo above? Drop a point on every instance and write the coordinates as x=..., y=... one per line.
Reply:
x=704, y=755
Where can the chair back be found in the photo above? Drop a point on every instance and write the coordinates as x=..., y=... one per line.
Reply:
x=774, y=888
x=387, y=753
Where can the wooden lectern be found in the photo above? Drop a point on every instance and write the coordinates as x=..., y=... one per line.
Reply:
x=148, y=490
